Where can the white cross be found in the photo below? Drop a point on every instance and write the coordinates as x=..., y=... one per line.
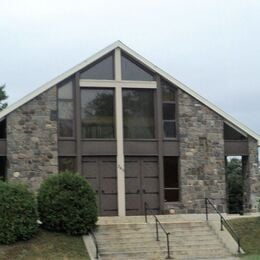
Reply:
x=118, y=84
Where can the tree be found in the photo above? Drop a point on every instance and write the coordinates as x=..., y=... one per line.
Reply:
x=235, y=185
x=3, y=97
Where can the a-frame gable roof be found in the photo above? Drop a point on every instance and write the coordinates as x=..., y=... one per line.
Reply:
x=118, y=44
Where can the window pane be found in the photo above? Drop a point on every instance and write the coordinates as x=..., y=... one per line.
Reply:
x=104, y=69
x=138, y=112
x=168, y=111
x=65, y=128
x=171, y=195
x=168, y=92
x=65, y=109
x=65, y=91
x=132, y=71
x=67, y=164
x=97, y=113
x=171, y=172
x=169, y=128
x=171, y=179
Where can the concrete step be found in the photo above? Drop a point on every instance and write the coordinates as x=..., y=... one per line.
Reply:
x=194, y=249
x=173, y=240
x=161, y=244
x=154, y=254
x=148, y=234
x=122, y=238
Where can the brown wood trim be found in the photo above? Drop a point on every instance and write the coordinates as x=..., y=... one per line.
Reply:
x=159, y=123
x=77, y=103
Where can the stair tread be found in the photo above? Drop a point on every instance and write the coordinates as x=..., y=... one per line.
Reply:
x=188, y=240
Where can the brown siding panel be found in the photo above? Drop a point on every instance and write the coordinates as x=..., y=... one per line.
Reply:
x=140, y=148
x=236, y=148
x=98, y=147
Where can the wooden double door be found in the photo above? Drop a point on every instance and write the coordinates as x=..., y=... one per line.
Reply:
x=141, y=184
x=100, y=173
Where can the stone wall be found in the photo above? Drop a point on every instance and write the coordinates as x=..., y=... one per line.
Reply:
x=252, y=178
x=32, y=149
x=202, y=163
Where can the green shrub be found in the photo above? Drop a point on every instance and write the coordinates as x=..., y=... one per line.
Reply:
x=66, y=203
x=18, y=213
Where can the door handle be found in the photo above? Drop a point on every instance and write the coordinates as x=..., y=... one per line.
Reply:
x=103, y=191
x=144, y=191
x=138, y=191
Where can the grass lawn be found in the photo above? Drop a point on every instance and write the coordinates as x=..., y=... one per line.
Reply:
x=46, y=245
x=249, y=232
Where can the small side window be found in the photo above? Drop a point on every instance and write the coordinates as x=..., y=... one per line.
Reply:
x=169, y=110
x=66, y=110
x=171, y=179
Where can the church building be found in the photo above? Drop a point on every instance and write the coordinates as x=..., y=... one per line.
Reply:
x=134, y=132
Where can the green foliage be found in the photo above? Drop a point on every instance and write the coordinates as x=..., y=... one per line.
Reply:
x=18, y=213
x=67, y=203
x=235, y=185
x=3, y=97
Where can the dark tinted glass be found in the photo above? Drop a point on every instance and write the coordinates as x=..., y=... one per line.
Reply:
x=169, y=128
x=168, y=92
x=65, y=91
x=97, y=113
x=3, y=129
x=171, y=172
x=65, y=128
x=138, y=114
x=134, y=71
x=65, y=109
x=168, y=111
x=2, y=168
x=67, y=164
x=171, y=195
x=171, y=179
x=103, y=69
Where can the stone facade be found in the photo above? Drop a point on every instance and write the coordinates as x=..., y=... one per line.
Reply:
x=202, y=164
x=32, y=150
x=252, y=178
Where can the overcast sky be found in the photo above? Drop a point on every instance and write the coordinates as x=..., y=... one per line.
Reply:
x=213, y=46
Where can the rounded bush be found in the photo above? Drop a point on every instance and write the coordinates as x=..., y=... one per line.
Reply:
x=66, y=203
x=18, y=213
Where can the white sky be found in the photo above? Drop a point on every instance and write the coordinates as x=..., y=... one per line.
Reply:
x=213, y=46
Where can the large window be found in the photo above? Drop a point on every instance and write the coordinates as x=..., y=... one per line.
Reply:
x=102, y=69
x=134, y=71
x=97, y=113
x=171, y=179
x=169, y=110
x=138, y=113
x=66, y=110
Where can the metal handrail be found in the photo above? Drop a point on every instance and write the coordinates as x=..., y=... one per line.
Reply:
x=146, y=208
x=95, y=242
x=223, y=222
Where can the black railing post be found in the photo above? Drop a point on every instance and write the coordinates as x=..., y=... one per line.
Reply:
x=206, y=207
x=238, y=242
x=157, y=232
x=221, y=223
x=145, y=212
x=168, y=246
